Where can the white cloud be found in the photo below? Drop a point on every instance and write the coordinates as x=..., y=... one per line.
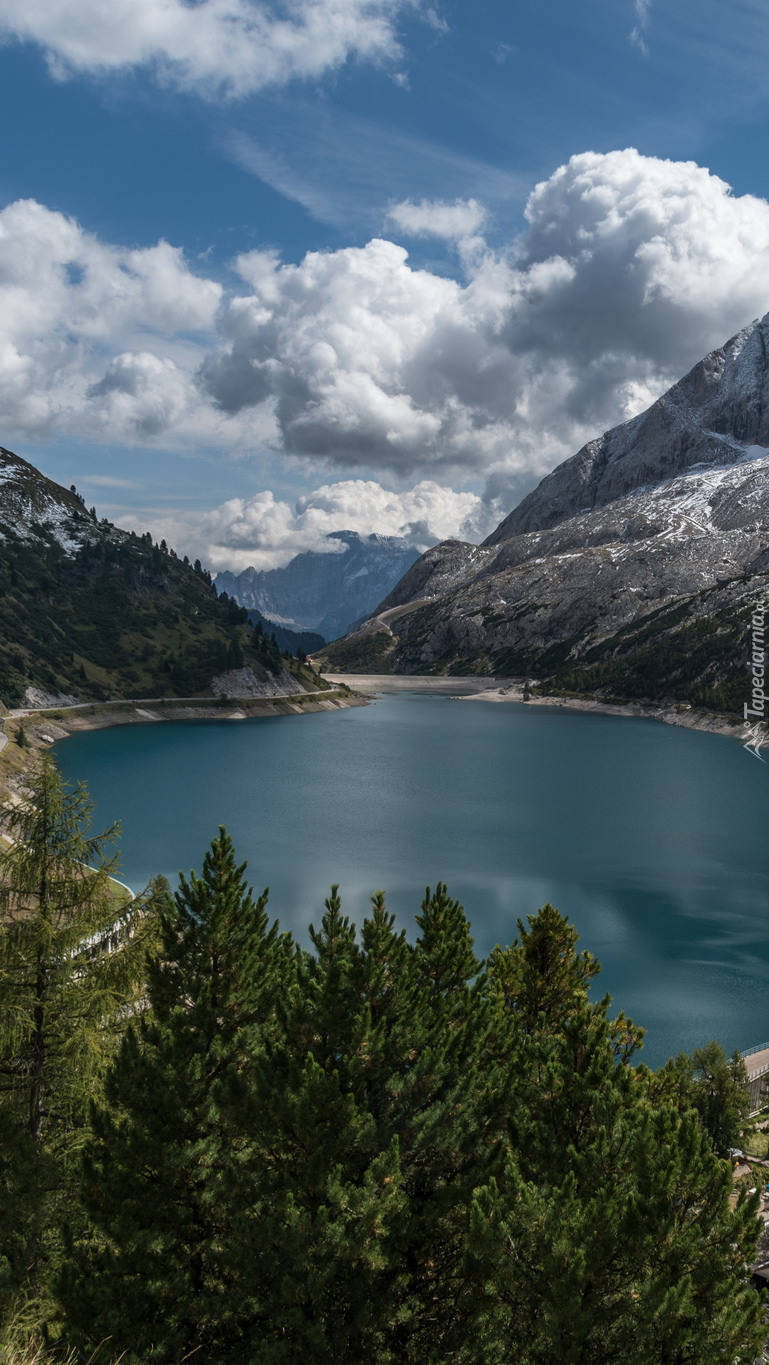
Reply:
x=69, y=307
x=629, y=269
x=660, y=261
x=343, y=166
x=266, y=533
x=436, y=218
x=213, y=46
x=142, y=394
x=642, y=9
x=369, y=362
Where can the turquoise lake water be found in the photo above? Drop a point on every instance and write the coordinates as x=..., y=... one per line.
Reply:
x=652, y=840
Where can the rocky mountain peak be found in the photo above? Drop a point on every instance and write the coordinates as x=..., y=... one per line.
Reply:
x=631, y=572
x=710, y=417
x=325, y=591
x=29, y=499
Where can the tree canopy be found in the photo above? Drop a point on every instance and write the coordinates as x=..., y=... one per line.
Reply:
x=384, y=1149
x=72, y=964
x=216, y=1142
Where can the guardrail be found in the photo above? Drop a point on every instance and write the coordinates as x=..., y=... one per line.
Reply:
x=760, y=1047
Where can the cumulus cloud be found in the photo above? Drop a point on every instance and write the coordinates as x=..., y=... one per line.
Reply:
x=368, y=361
x=633, y=268
x=141, y=393
x=213, y=46
x=628, y=270
x=436, y=218
x=264, y=532
x=68, y=305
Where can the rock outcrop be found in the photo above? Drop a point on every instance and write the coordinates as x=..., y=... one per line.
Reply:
x=652, y=537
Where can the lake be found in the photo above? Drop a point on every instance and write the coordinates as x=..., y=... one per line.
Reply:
x=653, y=840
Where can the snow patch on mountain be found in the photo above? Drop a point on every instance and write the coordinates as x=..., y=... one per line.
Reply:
x=656, y=512
x=32, y=505
x=325, y=593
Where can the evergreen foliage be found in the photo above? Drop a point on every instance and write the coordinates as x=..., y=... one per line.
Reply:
x=300, y=643
x=120, y=617
x=692, y=651
x=383, y=1150
x=167, y=1267
x=719, y=1089
x=359, y=652
x=63, y=1002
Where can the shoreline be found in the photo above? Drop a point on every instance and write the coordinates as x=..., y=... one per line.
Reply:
x=501, y=690
x=103, y=716
x=47, y=726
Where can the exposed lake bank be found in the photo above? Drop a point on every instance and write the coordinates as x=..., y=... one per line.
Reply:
x=100, y=717
x=43, y=727
x=512, y=690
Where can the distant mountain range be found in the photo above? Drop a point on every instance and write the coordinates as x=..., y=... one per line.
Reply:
x=288, y=641
x=324, y=593
x=90, y=612
x=631, y=571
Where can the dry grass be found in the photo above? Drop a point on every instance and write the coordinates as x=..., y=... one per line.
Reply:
x=38, y=1355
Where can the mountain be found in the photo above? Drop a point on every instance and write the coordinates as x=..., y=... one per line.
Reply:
x=289, y=641
x=324, y=593
x=631, y=571
x=713, y=417
x=91, y=612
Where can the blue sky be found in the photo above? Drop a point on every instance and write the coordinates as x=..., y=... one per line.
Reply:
x=267, y=271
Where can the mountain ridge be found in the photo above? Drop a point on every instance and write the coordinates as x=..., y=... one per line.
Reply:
x=728, y=388
x=98, y=613
x=321, y=592
x=676, y=533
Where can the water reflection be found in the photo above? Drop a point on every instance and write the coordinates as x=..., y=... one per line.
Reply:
x=651, y=839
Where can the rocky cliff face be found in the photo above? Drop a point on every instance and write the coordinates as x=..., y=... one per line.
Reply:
x=712, y=416
x=649, y=539
x=325, y=592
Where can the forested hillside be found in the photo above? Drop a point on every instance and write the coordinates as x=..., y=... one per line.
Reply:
x=292, y=641
x=219, y=1144
x=96, y=612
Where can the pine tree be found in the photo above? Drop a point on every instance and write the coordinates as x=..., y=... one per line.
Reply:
x=543, y=978
x=377, y=1150
x=331, y=1201
x=447, y=1145
x=608, y=1236
x=719, y=1089
x=63, y=997
x=167, y=1267
x=618, y=1245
